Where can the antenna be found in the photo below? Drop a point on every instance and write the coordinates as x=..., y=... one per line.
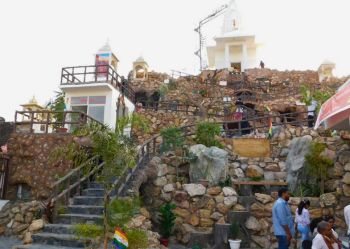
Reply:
x=204, y=21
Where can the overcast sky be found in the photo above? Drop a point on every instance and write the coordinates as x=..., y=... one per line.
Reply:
x=39, y=37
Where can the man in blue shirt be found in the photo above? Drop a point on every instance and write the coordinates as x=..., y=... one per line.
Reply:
x=283, y=220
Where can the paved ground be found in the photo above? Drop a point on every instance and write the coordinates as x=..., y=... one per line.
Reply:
x=8, y=242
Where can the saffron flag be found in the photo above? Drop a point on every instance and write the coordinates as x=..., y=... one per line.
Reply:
x=120, y=240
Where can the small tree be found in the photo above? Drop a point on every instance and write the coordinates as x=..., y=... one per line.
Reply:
x=317, y=165
x=58, y=106
x=167, y=220
x=206, y=133
x=173, y=139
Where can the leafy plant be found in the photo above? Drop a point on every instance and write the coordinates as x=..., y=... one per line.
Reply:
x=256, y=179
x=57, y=105
x=167, y=220
x=206, y=133
x=120, y=211
x=190, y=157
x=172, y=139
x=234, y=230
x=320, y=96
x=203, y=92
x=137, y=239
x=226, y=183
x=306, y=96
x=136, y=121
x=91, y=234
x=317, y=165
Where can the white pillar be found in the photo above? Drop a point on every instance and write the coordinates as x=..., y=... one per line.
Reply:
x=227, y=56
x=244, y=64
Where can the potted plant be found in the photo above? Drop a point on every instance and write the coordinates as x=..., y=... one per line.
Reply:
x=167, y=222
x=235, y=243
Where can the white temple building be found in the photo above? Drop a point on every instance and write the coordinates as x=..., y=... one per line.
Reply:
x=234, y=47
x=97, y=89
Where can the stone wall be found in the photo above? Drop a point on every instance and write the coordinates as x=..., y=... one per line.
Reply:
x=6, y=128
x=29, y=163
x=199, y=207
x=21, y=219
x=159, y=120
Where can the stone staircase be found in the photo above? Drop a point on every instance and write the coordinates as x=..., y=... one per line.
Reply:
x=85, y=209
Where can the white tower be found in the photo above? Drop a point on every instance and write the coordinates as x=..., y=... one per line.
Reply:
x=234, y=48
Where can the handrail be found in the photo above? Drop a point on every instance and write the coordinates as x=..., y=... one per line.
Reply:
x=96, y=74
x=145, y=153
x=4, y=173
x=70, y=184
x=49, y=120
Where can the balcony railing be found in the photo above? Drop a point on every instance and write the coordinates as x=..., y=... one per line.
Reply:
x=50, y=121
x=96, y=74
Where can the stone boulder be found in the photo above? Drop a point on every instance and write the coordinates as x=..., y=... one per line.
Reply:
x=194, y=189
x=211, y=164
x=328, y=200
x=295, y=162
x=253, y=224
x=254, y=171
x=264, y=199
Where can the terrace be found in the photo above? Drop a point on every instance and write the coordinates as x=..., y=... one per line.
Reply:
x=96, y=74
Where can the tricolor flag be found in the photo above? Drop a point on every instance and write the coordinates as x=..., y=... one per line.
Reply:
x=120, y=240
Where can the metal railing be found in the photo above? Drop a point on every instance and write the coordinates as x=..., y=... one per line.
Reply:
x=50, y=121
x=93, y=74
x=4, y=172
x=71, y=184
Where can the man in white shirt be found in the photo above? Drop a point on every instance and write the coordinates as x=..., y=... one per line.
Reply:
x=347, y=218
x=323, y=238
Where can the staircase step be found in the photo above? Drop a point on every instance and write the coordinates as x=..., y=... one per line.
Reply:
x=80, y=219
x=68, y=240
x=88, y=200
x=95, y=185
x=59, y=228
x=93, y=192
x=85, y=209
x=42, y=246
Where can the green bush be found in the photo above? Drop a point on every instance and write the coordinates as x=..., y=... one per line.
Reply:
x=137, y=239
x=90, y=232
x=120, y=211
x=226, y=183
x=317, y=165
x=172, y=139
x=167, y=220
x=206, y=133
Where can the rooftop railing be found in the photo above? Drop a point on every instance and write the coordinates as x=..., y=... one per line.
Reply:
x=96, y=74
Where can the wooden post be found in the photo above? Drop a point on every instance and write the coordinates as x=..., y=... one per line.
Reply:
x=31, y=122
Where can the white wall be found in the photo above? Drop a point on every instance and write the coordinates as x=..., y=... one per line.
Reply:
x=99, y=89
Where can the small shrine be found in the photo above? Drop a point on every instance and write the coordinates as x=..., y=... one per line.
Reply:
x=140, y=69
x=325, y=70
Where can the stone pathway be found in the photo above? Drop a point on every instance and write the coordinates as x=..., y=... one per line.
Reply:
x=8, y=242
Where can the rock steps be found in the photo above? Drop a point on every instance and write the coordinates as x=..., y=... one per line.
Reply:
x=86, y=209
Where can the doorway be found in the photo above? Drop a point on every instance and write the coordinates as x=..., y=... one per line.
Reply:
x=236, y=66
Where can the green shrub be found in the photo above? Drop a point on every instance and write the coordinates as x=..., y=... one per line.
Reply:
x=167, y=220
x=137, y=239
x=172, y=139
x=120, y=211
x=206, y=133
x=90, y=232
x=317, y=165
x=226, y=183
